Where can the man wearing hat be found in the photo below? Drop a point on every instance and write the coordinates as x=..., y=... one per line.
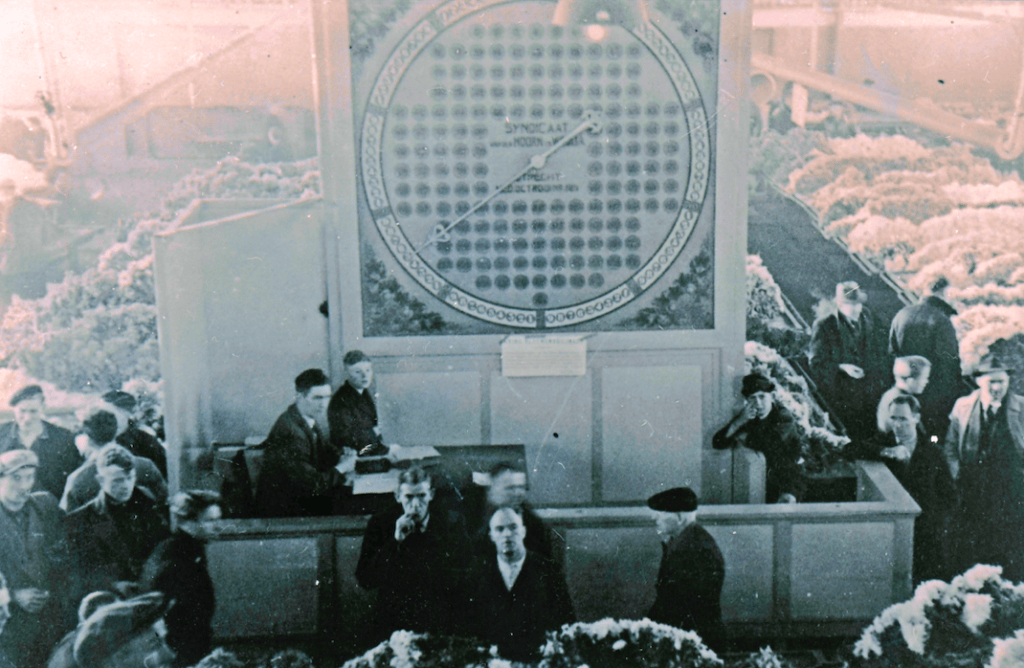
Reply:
x=138, y=441
x=848, y=361
x=33, y=559
x=54, y=446
x=765, y=427
x=124, y=634
x=984, y=448
x=689, y=586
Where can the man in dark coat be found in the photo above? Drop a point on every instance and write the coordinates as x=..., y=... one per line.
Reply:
x=926, y=329
x=139, y=442
x=300, y=475
x=33, y=558
x=848, y=361
x=519, y=594
x=415, y=559
x=54, y=446
x=506, y=488
x=114, y=534
x=764, y=427
x=984, y=449
x=352, y=415
x=689, y=587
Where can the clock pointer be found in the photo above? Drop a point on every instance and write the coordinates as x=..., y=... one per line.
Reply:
x=537, y=162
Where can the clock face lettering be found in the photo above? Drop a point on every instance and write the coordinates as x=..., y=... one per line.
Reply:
x=527, y=175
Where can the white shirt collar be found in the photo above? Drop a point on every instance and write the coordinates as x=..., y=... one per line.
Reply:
x=509, y=572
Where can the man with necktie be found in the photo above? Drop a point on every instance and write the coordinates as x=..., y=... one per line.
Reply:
x=984, y=448
x=299, y=476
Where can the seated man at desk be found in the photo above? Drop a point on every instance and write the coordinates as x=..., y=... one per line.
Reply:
x=770, y=429
x=506, y=488
x=352, y=415
x=301, y=473
x=414, y=558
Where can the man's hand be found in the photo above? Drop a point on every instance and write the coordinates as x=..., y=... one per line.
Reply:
x=347, y=463
x=31, y=599
x=852, y=370
x=899, y=453
x=404, y=527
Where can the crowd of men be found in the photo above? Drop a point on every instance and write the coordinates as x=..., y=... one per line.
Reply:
x=900, y=393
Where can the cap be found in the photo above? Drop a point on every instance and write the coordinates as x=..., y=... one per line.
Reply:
x=27, y=392
x=119, y=399
x=850, y=291
x=756, y=382
x=12, y=460
x=113, y=625
x=991, y=363
x=675, y=500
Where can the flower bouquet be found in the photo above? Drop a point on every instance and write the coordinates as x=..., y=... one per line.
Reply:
x=405, y=649
x=612, y=643
x=972, y=621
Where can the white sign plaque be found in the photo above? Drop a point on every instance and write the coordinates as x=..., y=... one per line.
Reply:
x=543, y=356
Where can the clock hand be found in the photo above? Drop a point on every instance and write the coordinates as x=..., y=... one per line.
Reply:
x=536, y=162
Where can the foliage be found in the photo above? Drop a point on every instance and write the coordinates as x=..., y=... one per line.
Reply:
x=952, y=624
x=405, y=649
x=774, y=156
x=764, y=658
x=687, y=303
x=766, y=323
x=613, y=643
x=388, y=310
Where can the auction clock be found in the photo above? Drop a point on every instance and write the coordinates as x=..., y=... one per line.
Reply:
x=529, y=175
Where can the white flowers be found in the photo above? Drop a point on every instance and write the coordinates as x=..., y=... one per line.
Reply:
x=618, y=644
x=1008, y=652
x=977, y=610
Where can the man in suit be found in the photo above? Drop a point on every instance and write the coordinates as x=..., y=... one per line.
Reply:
x=848, y=361
x=33, y=558
x=984, y=448
x=54, y=446
x=300, y=474
x=519, y=594
x=689, y=586
x=352, y=415
x=926, y=329
x=139, y=442
x=506, y=488
x=114, y=534
x=415, y=559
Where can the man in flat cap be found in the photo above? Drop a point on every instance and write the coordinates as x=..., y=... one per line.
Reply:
x=139, y=442
x=984, y=448
x=125, y=634
x=849, y=362
x=768, y=428
x=689, y=586
x=55, y=446
x=352, y=415
x=300, y=475
x=33, y=558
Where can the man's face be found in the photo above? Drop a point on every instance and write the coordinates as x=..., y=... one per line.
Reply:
x=903, y=421
x=850, y=309
x=762, y=403
x=508, y=533
x=16, y=486
x=148, y=648
x=905, y=380
x=994, y=386
x=508, y=488
x=116, y=483
x=205, y=525
x=668, y=524
x=415, y=499
x=360, y=375
x=313, y=404
x=29, y=413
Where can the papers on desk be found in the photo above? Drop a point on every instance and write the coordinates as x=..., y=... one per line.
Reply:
x=403, y=453
x=375, y=483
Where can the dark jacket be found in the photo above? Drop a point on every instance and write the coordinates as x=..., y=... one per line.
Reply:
x=351, y=417
x=297, y=478
x=689, y=588
x=178, y=568
x=143, y=444
x=778, y=438
x=517, y=620
x=56, y=450
x=83, y=485
x=925, y=329
x=420, y=581
x=33, y=553
x=111, y=542
x=478, y=517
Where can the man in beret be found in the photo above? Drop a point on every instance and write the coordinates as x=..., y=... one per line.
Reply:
x=55, y=446
x=33, y=558
x=99, y=428
x=984, y=448
x=125, y=634
x=352, y=415
x=768, y=428
x=139, y=442
x=689, y=586
x=300, y=475
x=113, y=535
x=848, y=361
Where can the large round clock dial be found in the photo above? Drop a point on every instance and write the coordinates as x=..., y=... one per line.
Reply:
x=530, y=175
